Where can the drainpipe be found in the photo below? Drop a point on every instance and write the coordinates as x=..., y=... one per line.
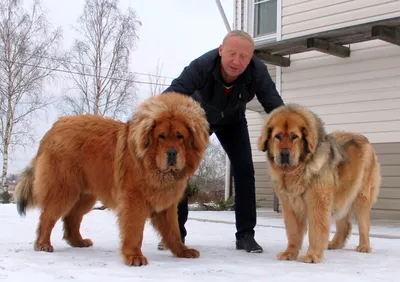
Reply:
x=223, y=16
x=228, y=173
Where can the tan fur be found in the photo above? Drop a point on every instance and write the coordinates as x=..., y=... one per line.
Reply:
x=327, y=175
x=86, y=158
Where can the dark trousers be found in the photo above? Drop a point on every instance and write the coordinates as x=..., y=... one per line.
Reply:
x=235, y=141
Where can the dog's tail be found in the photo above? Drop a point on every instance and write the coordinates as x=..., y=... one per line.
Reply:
x=24, y=196
x=375, y=179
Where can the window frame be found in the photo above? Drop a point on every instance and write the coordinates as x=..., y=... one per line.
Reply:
x=251, y=22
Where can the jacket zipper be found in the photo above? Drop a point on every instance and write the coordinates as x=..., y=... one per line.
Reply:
x=222, y=112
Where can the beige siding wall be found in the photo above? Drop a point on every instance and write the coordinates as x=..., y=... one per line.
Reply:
x=264, y=186
x=360, y=93
x=302, y=17
x=255, y=121
x=388, y=204
x=264, y=190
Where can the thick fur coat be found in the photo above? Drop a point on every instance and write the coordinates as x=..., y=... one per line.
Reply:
x=139, y=169
x=319, y=176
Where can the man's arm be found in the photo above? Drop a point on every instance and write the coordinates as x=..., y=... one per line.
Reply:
x=189, y=80
x=266, y=91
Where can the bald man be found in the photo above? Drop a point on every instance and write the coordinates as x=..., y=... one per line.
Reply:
x=223, y=81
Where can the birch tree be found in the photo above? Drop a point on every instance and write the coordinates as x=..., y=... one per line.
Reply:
x=156, y=81
x=28, y=56
x=98, y=62
x=212, y=168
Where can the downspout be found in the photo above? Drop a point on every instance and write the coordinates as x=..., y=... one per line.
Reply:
x=223, y=16
x=228, y=173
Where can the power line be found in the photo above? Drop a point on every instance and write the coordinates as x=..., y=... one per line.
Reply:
x=105, y=68
x=85, y=74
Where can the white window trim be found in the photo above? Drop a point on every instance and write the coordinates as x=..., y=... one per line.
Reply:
x=249, y=4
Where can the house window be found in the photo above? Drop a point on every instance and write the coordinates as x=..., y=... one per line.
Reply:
x=265, y=17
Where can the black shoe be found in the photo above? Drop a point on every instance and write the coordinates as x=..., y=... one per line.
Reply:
x=249, y=244
x=161, y=246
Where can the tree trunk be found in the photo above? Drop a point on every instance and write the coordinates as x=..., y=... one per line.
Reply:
x=5, y=167
x=8, y=129
x=6, y=143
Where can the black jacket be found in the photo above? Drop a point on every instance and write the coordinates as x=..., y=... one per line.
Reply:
x=203, y=81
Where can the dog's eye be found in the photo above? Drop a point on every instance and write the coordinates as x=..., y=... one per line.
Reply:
x=294, y=136
x=179, y=136
x=161, y=136
x=278, y=136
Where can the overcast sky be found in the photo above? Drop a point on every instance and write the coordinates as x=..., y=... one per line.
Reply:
x=173, y=32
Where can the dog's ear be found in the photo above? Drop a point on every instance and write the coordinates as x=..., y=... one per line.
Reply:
x=264, y=139
x=140, y=135
x=310, y=141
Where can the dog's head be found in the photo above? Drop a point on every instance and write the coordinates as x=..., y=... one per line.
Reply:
x=290, y=136
x=169, y=132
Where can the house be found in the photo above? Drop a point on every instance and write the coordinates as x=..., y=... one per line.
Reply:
x=341, y=59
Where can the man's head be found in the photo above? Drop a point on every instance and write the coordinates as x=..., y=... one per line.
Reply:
x=236, y=51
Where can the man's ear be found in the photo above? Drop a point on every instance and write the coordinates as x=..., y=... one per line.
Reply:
x=264, y=139
x=220, y=49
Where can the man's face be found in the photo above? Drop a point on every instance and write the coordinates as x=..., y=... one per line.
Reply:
x=236, y=54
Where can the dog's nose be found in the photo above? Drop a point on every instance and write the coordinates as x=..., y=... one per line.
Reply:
x=285, y=155
x=171, y=156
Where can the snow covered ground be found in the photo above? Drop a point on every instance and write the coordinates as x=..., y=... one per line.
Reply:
x=219, y=260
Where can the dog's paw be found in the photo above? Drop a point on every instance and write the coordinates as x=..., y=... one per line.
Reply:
x=334, y=245
x=44, y=248
x=188, y=253
x=135, y=260
x=310, y=258
x=84, y=243
x=287, y=255
x=363, y=249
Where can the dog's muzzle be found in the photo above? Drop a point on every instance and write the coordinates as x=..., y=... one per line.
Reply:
x=171, y=157
x=285, y=157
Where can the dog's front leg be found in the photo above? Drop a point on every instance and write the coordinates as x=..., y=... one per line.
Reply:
x=132, y=219
x=318, y=204
x=296, y=227
x=166, y=222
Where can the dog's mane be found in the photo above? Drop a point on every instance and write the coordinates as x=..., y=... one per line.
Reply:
x=171, y=105
x=316, y=127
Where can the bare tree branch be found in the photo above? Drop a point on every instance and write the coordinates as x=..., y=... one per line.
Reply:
x=98, y=62
x=28, y=56
x=212, y=167
x=157, y=81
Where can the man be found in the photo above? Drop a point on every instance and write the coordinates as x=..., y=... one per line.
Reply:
x=223, y=80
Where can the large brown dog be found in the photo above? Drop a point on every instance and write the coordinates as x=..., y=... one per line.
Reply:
x=139, y=168
x=319, y=175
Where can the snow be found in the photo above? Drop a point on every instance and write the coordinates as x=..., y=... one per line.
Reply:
x=219, y=260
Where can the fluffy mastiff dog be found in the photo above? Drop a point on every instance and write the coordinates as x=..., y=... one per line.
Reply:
x=138, y=168
x=318, y=176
